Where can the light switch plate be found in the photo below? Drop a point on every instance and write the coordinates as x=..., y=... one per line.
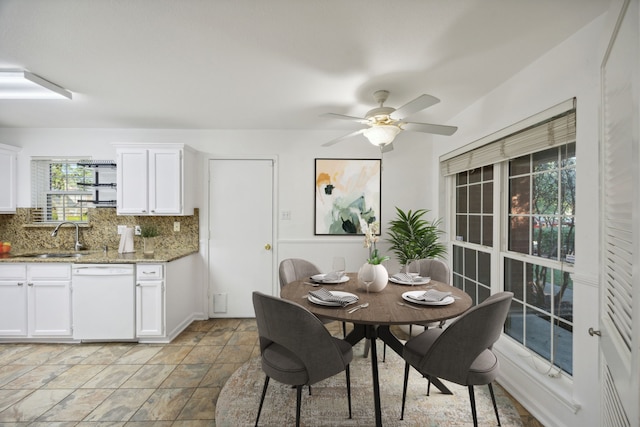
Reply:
x=176, y=226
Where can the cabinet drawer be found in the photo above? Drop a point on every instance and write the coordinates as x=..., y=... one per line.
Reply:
x=13, y=272
x=49, y=271
x=149, y=271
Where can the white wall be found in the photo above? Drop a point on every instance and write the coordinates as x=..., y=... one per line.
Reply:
x=570, y=70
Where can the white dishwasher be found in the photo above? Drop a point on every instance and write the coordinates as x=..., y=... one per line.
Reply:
x=103, y=301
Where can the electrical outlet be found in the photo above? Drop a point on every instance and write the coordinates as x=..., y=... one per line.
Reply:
x=137, y=231
x=121, y=229
x=285, y=215
x=176, y=226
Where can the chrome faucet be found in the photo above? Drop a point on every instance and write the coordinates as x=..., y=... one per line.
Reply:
x=78, y=245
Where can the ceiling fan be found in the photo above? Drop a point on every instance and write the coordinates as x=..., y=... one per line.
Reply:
x=385, y=123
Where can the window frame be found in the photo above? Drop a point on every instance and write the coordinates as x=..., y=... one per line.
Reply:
x=501, y=214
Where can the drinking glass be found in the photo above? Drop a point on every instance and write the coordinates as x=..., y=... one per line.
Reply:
x=339, y=266
x=368, y=275
x=413, y=269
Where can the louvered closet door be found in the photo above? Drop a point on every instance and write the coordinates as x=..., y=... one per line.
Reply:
x=620, y=294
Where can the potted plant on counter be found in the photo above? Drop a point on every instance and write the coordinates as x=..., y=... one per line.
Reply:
x=149, y=232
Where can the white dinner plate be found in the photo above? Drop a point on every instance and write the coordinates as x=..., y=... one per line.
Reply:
x=320, y=279
x=407, y=297
x=331, y=303
x=417, y=281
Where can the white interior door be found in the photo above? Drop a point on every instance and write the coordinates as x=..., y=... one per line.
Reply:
x=240, y=234
x=620, y=294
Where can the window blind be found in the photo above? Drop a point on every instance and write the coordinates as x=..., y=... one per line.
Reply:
x=557, y=130
x=55, y=193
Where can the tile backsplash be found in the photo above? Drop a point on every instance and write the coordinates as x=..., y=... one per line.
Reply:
x=101, y=230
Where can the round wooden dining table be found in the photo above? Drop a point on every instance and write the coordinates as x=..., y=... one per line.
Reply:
x=384, y=310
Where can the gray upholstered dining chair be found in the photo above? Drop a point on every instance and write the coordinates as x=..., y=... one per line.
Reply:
x=297, y=356
x=462, y=352
x=292, y=269
x=439, y=271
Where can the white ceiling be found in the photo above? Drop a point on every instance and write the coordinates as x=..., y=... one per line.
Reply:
x=269, y=64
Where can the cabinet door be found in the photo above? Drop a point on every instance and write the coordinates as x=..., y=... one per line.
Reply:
x=8, y=180
x=50, y=308
x=13, y=308
x=132, y=181
x=165, y=181
x=49, y=299
x=149, y=308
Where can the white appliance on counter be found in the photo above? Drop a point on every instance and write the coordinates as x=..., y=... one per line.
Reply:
x=103, y=301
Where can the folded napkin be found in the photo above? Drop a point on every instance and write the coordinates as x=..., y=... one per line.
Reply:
x=402, y=277
x=324, y=295
x=332, y=277
x=431, y=295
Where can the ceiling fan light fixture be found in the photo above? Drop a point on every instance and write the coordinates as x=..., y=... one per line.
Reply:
x=381, y=135
x=17, y=84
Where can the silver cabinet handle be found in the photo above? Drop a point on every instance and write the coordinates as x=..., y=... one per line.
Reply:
x=20, y=284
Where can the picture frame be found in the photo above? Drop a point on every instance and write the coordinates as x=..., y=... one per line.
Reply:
x=347, y=193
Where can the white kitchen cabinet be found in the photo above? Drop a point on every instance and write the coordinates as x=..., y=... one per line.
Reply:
x=35, y=300
x=155, y=179
x=49, y=298
x=150, y=302
x=8, y=178
x=13, y=300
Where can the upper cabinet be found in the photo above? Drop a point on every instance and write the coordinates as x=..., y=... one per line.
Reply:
x=155, y=179
x=8, y=178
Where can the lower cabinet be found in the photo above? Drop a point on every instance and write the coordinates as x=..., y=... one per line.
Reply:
x=150, y=308
x=35, y=300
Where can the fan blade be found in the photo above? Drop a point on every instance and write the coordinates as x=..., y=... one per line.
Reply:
x=343, y=117
x=387, y=148
x=420, y=103
x=429, y=128
x=334, y=141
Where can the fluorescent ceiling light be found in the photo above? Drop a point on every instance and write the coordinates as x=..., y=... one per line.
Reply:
x=16, y=84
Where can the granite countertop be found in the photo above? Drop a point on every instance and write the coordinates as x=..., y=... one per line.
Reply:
x=96, y=257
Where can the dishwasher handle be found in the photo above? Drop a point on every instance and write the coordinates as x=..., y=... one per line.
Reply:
x=106, y=270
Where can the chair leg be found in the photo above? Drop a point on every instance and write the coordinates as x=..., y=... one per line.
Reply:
x=428, y=385
x=472, y=399
x=367, y=344
x=495, y=405
x=264, y=392
x=384, y=353
x=344, y=329
x=347, y=372
x=298, y=401
x=404, y=389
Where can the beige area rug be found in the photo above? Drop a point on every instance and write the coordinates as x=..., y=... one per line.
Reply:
x=327, y=406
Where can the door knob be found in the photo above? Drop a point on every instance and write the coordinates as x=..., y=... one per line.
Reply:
x=267, y=247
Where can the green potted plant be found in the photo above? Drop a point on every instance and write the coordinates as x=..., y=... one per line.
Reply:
x=412, y=237
x=149, y=232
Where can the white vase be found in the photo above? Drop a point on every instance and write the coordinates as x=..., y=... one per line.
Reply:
x=382, y=277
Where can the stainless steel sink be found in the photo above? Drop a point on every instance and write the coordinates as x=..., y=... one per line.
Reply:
x=53, y=255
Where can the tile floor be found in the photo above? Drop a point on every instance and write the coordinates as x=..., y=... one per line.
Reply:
x=118, y=384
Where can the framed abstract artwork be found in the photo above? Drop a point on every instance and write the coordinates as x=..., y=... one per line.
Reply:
x=347, y=192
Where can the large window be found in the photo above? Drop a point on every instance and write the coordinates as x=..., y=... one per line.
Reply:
x=58, y=190
x=529, y=241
